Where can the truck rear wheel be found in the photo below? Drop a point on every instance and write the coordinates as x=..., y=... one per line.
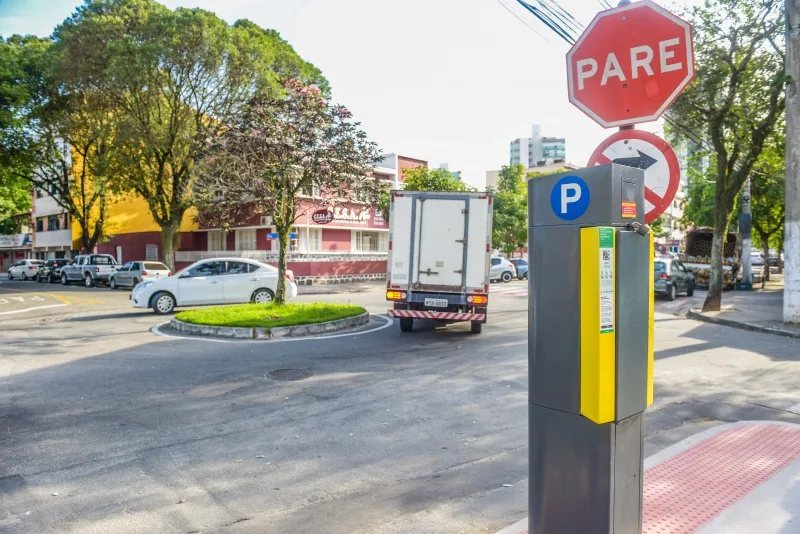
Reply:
x=406, y=324
x=476, y=327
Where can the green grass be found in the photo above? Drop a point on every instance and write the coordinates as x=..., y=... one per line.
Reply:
x=269, y=315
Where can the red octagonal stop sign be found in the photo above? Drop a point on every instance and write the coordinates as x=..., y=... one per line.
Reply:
x=630, y=64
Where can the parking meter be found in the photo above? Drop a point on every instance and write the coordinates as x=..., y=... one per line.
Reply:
x=590, y=349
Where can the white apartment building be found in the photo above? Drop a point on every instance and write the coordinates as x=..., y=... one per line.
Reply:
x=52, y=228
x=537, y=150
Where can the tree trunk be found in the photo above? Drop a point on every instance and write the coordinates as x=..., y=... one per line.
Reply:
x=283, y=248
x=715, y=284
x=766, y=259
x=170, y=239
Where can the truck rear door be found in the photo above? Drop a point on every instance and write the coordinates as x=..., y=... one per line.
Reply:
x=440, y=243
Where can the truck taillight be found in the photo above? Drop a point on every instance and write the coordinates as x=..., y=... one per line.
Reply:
x=97, y=269
x=395, y=295
x=477, y=299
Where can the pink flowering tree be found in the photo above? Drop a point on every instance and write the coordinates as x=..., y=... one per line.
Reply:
x=283, y=145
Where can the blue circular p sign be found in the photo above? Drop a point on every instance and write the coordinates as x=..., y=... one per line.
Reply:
x=569, y=198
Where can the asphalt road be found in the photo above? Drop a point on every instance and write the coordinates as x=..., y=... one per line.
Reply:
x=107, y=427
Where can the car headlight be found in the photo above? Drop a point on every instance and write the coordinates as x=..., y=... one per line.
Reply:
x=142, y=285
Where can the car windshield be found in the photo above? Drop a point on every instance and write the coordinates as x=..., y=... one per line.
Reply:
x=37, y=262
x=155, y=266
x=103, y=260
x=660, y=267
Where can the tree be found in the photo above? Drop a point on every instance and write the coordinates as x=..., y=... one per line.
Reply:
x=48, y=120
x=425, y=179
x=282, y=145
x=657, y=227
x=736, y=101
x=174, y=79
x=510, y=211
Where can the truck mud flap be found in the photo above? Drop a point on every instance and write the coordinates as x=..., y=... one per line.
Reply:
x=442, y=316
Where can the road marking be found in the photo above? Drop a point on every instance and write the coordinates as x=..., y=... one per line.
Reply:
x=32, y=309
x=389, y=322
x=795, y=409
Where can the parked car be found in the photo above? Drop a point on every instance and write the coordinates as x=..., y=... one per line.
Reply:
x=134, y=272
x=216, y=281
x=522, y=267
x=502, y=269
x=25, y=269
x=51, y=270
x=89, y=268
x=671, y=278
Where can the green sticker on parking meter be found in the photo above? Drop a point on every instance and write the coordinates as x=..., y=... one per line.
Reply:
x=606, y=280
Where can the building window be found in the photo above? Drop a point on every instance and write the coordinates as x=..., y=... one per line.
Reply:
x=313, y=239
x=40, y=224
x=53, y=223
x=246, y=240
x=150, y=252
x=39, y=193
x=369, y=241
x=216, y=240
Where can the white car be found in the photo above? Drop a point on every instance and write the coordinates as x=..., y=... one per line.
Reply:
x=25, y=269
x=502, y=269
x=216, y=281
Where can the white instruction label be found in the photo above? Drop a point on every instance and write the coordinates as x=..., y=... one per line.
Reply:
x=606, y=280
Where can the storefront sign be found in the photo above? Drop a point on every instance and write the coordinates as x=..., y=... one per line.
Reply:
x=323, y=216
x=14, y=241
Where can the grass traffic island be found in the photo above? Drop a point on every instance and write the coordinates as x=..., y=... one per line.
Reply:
x=265, y=321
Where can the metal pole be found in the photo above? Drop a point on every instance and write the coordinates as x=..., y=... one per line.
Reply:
x=745, y=227
x=791, y=294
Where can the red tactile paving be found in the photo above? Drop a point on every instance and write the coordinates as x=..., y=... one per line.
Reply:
x=695, y=486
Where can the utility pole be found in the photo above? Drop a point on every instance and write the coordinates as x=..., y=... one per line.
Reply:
x=745, y=228
x=791, y=294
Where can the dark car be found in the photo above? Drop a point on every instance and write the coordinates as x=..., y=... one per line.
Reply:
x=522, y=267
x=671, y=278
x=51, y=270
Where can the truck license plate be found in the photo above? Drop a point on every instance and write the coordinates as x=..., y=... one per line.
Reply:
x=436, y=303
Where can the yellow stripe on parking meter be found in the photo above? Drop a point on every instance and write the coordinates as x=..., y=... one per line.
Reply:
x=598, y=337
x=651, y=324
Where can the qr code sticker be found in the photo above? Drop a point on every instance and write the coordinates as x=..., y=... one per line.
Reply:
x=606, y=255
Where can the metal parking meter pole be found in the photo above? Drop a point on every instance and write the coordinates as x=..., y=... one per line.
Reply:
x=590, y=350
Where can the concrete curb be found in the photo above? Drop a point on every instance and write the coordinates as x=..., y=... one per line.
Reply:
x=264, y=334
x=744, y=326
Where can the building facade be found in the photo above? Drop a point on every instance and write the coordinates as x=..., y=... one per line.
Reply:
x=330, y=242
x=18, y=245
x=52, y=228
x=537, y=150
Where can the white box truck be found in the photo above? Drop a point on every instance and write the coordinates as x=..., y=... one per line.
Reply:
x=439, y=251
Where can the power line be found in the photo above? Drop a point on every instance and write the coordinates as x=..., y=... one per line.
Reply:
x=522, y=20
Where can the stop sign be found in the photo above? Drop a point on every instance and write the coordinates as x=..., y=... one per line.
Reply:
x=630, y=64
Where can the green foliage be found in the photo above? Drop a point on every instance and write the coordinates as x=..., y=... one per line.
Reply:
x=270, y=315
x=171, y=79
x=734, y=105
x=425, y=179
x=510, y=220
x=657, y=227
x=283, y=145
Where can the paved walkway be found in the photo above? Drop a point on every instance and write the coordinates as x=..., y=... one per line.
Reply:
x=738, y=478
x=760, y=310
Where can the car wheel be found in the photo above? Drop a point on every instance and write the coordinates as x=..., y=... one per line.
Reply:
x=10, y=276
x=406, y=324
x=50, y=278
x=163, y=303
x=262, y=296
x=671, y=294
x=64, y=280
x=476, y=327
x=135, y=282
x=506, y=277
x=112, y=283
x=89, y=281
x=39, y=278
x=24, y=277
x=690, y=291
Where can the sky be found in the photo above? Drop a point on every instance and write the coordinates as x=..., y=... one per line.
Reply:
x=447, y=81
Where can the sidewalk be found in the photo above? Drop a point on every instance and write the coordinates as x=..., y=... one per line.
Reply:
x=760, y=311
x=738, y=478
x=332, y=289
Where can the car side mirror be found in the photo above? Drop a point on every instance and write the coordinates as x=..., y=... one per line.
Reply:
x=689, y=270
